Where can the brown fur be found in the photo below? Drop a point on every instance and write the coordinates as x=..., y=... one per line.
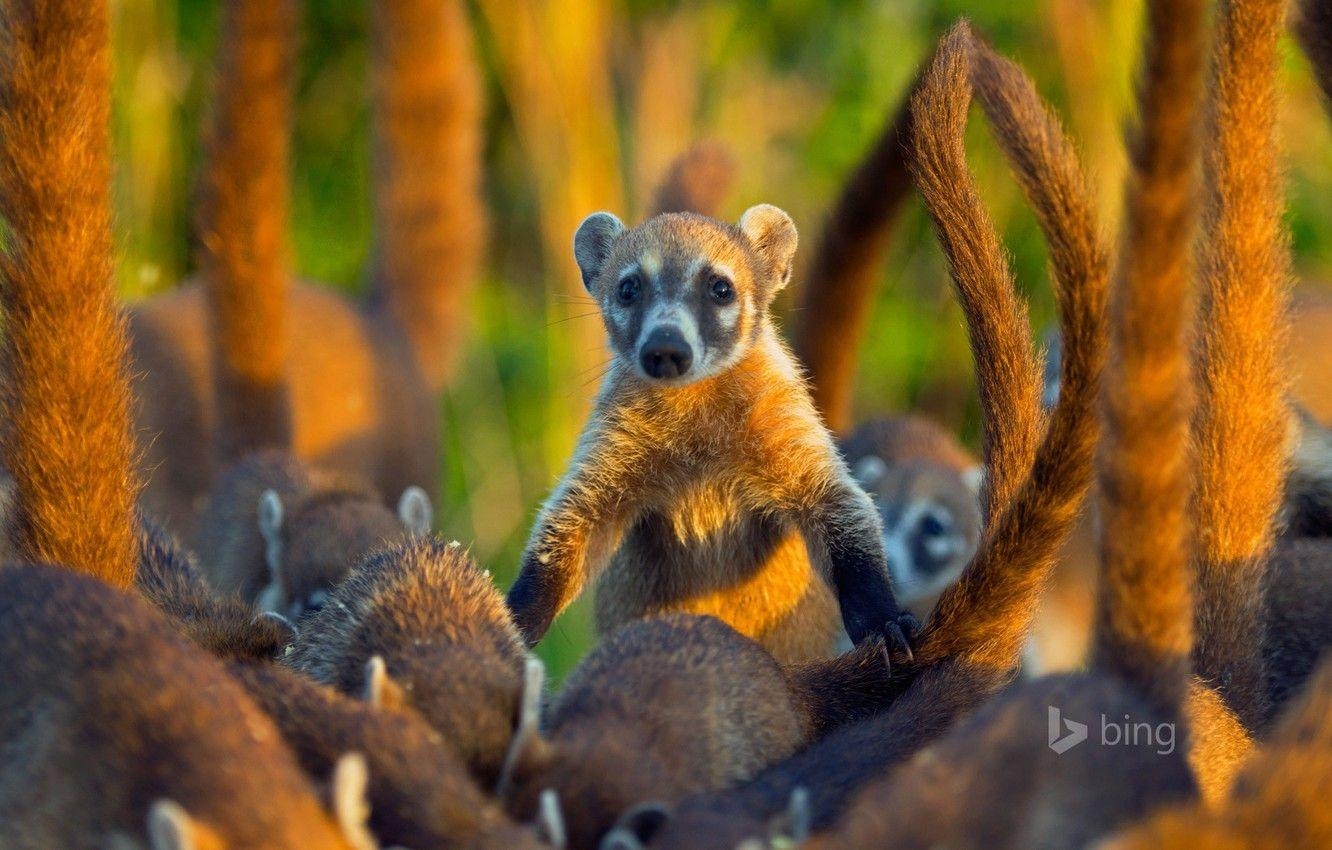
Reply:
x=444, y=635
x=420, y=793
x=1143, y=631
x=428, y=205
x=745, y=512
x=1241, y=428
x=1279, y=800
x=66, y=439
x=836, y=300
x=243, y=224
x=673, y=705
x=902, y=439
x=698, y=181
x=106, y=711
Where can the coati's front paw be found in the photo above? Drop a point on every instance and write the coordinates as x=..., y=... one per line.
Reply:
x=898, y=632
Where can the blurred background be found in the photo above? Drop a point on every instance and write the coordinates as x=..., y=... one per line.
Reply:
x=589, y=100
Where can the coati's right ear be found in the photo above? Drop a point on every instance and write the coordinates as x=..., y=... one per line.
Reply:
x=592, y=244
x=415, y=511
x=869, y=471
x=170, y=827
x=772, y=233
x=270, y=528
x=527, y=748
x=380, y=690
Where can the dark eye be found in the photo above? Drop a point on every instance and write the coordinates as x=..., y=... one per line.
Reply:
x=628, y=289
x=932, y=526
x=723, y=292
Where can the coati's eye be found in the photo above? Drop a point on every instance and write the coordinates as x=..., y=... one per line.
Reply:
x=722, y=290
x=628, y=290
x=932, y=526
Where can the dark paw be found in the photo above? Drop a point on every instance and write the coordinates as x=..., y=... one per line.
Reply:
x=899, y=635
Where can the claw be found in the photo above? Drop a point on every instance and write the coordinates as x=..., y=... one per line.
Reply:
x=897, y=640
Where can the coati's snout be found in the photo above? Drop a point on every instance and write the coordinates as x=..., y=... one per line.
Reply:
x=665, y=353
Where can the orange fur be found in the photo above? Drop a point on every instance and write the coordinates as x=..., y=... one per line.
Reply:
x=67, y=439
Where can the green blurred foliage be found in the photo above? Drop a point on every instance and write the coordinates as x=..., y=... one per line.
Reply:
x=799, y=88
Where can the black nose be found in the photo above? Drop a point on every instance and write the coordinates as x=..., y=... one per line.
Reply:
x=665, y=354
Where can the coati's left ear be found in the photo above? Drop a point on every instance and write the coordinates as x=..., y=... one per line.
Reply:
x=415, y=511
x=773, y=235
x=592, y=244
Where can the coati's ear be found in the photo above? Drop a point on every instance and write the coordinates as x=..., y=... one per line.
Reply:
x=350, y=808
x=380, y=690
x=974, y=478
x=592, y=244
x=286, y=628
x=415, y=511
x=550, y=820
x=793, y=826
x=773, y=235
x=270, y=527
x=869, y=471
x=170, y=827
x=636, y=826
x=527, y=748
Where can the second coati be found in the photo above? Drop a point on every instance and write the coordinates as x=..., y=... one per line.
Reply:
x=444, y=639
x=704, y=455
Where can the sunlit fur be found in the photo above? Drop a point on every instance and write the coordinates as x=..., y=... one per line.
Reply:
x=66, y=438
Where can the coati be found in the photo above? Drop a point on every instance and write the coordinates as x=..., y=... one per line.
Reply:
x=972, y=644
x=419, y=791
x=671, y=705
x=448, y=646
x=115, y=732
x=704, y=456
x=66, y=439
x=927, y=489
x=280, y=535
x=363, y=379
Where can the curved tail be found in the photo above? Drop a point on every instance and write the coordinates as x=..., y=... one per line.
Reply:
x=1242, y=425
x=430, y=215
x=698, y=181
x=243, y=225
x=1037, y=484
x=1144, y=620
x=836, y=299
x=67, y=439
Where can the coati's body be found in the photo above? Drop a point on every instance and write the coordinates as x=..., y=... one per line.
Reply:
x=927, y=490
x=106, y=712
x=448, y=644
x=674, y=705
x=704, y=481
x=420, y=792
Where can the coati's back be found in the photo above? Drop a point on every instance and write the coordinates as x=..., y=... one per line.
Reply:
x=106, y=712
x=444, y=634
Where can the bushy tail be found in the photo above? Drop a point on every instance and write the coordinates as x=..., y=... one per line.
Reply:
x=431, y=218
x=1242, y=425
x=836, y=300
x=698, y=181
x=1036, y=485
x=243, y=224
x=67, y=439
x=1144, y=620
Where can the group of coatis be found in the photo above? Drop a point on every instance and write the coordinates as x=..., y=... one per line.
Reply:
x=227, y=623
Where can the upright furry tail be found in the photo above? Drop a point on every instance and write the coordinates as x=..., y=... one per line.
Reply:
x=431, y=219
x=984, y=618
x=243, y=224
x=836, y=299
x=1144, y=626
x=1313, y=29
x=67, y=439
x=1242, y=425
x=699, y=180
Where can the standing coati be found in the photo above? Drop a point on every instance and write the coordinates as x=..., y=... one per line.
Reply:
x=672, y=705
x=363, y=379
x=704, y=456
x=446, y=643
x=972, y=644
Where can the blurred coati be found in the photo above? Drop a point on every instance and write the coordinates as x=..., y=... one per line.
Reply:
x=972, y=644
x=363, y=378
x=448, y=646
x=698, y=181
x=672, y=705
x=704, y=456
x=117, y=733
x=419, y=791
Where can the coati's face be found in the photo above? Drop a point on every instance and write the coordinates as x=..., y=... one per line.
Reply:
x=683, y=297
x=931, y=522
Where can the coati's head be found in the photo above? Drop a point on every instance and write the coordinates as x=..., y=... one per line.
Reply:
x=684, y=296
x=311, y=545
